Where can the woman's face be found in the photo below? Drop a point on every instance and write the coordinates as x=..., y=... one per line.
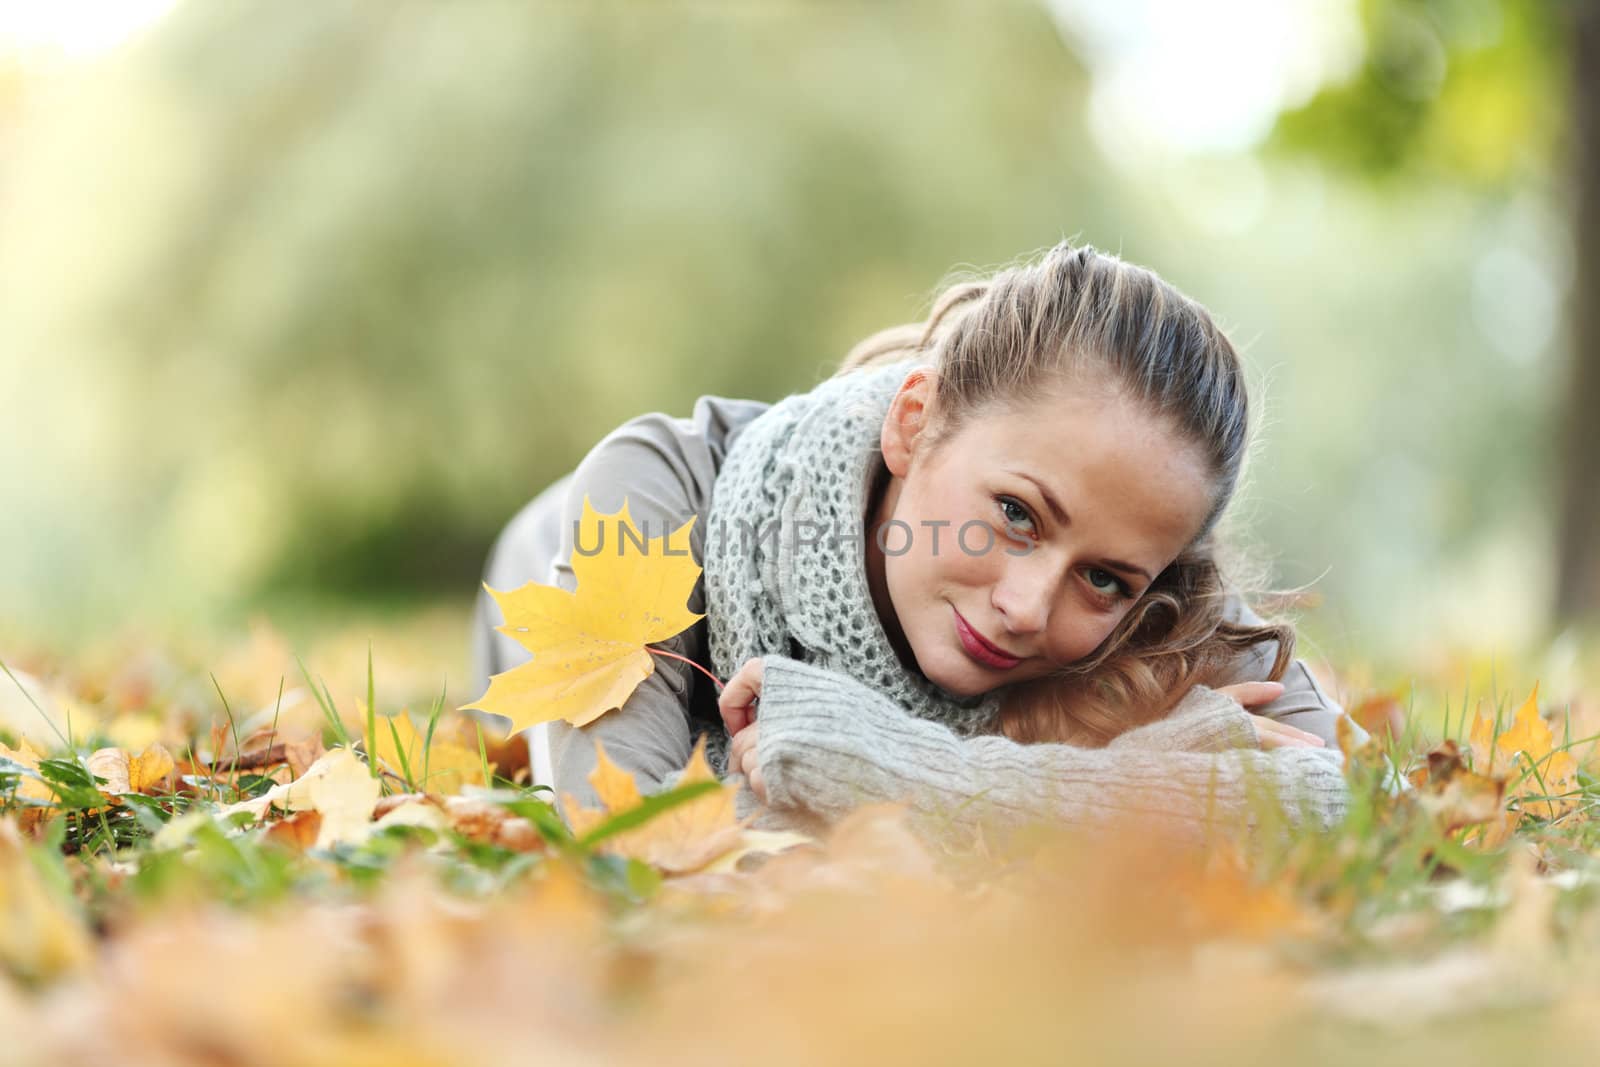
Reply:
x=1032, y=530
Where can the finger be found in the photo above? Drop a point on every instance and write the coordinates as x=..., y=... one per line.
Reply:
x=1272, y=741
x=1304, y=735
x=747, y=755
x=1254, y=694
x=738, y=697
x=758, y=784
x=736, y=750
x=734, y=705
x=1284, y=730
x=1273, y=734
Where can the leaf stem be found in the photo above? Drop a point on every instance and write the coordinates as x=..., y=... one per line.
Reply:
x=685, y=659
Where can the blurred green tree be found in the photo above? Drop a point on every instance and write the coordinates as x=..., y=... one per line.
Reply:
x=1491, y=93
x=327, y=290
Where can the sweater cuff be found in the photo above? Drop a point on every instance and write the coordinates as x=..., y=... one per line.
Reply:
x=783, y=714
x=1203, y=721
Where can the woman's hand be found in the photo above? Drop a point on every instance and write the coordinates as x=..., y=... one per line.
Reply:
x=742, y=760
x=738, y=703
x=740, y=696
x=1270, y=733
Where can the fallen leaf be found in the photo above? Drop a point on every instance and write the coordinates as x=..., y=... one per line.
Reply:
x=1221, y=896
x=1367, y=756
x=439, y=766
x=589, y=646
x=344, y=795
x=28, y=787
x=689, y=837
x=1454, y=794
x=473, y=817
x=148, y=772
x=339, y=786
x=1379, y=715
x=41, y=932
x=485, y=821
x=1545, y=781
x=299, y=831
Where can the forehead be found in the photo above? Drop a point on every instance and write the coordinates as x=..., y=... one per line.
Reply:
x=1113, y=466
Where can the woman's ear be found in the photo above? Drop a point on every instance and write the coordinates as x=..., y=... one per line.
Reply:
x=908, y=418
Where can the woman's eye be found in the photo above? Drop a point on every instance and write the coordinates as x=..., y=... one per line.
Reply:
x=1113, y=586
x=1014, y=512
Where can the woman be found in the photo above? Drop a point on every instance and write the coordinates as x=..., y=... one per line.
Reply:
x=1074, y=429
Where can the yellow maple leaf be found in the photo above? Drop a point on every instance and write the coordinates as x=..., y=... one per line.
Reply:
x=437, y=766
x=699, y=834
x=1528, y=732
x=1480, y=739
x=1553, y=773
x=589, y=646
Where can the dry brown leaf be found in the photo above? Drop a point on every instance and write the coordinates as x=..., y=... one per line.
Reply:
x=1455, y=795
x=473, y=817
x=483, y=820
x=272, y=744
x=299, y=831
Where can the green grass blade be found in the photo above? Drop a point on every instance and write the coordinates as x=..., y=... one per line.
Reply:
x=649, y=809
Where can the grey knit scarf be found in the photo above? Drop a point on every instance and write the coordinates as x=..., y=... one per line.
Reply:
x=785, y=555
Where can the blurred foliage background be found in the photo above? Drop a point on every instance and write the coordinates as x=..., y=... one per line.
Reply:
x=300, y=302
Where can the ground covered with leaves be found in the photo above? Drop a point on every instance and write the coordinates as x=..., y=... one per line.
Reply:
x=254, y=854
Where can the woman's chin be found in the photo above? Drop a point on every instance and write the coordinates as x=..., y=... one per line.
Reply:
x=961, y=678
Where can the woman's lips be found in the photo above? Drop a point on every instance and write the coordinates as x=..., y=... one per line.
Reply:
x=981, y=650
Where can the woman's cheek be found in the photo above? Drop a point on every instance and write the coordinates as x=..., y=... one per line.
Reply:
x=1088, y=633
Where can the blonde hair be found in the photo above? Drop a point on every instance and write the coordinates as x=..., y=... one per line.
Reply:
x=1082, y=314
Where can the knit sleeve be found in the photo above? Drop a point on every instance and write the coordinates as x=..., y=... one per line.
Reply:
x=828, y=744
x=1203, y=721
x=665, y=468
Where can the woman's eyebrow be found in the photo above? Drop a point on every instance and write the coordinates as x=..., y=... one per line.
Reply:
x=1049, y=498
x=1061, y=516
x=1127, y=568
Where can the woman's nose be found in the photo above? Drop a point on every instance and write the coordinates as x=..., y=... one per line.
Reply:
x=1023, y=603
